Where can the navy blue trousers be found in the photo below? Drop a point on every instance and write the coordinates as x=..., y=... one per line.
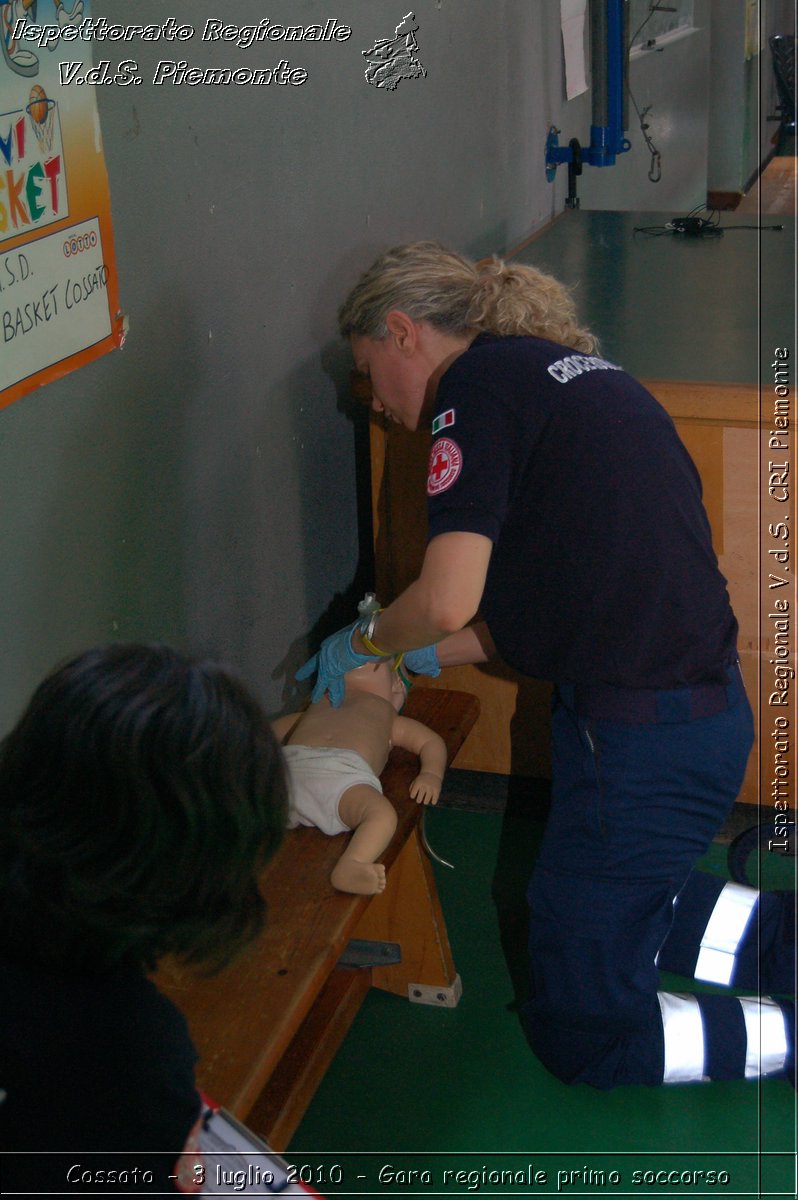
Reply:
x=614, y=898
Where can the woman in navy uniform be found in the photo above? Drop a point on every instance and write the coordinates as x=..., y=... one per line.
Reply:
x=567, y=536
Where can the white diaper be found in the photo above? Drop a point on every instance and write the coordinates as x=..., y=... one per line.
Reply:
x=318, y=776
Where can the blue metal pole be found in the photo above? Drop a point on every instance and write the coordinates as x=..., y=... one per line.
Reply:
x=607, y=138
x=607, y=141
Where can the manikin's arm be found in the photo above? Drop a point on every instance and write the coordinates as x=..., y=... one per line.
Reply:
x=431, y=749
x=441, y=601
x=282, y=726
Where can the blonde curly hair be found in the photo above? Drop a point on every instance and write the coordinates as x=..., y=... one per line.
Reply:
x=431, y=283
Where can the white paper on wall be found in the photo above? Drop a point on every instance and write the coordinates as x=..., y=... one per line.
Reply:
x=572, y=21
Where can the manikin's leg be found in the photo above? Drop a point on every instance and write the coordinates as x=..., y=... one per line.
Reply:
x=372, y=819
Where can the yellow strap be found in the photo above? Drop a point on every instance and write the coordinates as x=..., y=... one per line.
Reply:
x=371, y=648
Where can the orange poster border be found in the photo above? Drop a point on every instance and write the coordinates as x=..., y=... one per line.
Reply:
x=115, y=339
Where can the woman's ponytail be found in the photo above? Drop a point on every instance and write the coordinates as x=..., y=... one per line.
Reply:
x=430, y=283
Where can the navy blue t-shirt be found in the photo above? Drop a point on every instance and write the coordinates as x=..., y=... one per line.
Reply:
x=602, y=570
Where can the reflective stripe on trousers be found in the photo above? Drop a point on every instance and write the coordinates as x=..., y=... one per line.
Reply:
x=684, y=1026
x=724, y=933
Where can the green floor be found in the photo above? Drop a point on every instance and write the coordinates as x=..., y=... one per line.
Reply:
x=440, y=1092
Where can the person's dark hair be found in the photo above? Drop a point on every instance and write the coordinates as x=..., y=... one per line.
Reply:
x=141, y=793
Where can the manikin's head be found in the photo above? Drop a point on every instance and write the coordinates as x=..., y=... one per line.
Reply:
x=378, y=679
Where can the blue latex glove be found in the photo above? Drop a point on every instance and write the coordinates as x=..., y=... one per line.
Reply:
x=423, y=661
x=332, y=662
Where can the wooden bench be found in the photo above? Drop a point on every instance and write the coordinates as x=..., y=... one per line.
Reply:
x=267, y=1027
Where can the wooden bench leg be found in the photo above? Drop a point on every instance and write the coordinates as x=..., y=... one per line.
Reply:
x=409, y=912
x=282, y=1104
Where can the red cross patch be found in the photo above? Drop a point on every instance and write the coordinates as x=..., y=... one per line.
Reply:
x=445, y=463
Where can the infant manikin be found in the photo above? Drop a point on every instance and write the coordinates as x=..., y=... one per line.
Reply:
x=334, y=758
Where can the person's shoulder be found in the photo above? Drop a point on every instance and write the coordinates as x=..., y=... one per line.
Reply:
x=106, y=1020
x=500, y=369
x=134, y=1016
x=490, y=353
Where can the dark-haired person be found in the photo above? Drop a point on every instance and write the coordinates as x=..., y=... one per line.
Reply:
x=564, y=508
x=140, y=795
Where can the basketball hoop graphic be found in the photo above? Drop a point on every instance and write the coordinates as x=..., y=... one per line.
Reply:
x=41, y=110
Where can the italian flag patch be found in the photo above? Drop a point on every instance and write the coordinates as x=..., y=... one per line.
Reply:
x=444, y=421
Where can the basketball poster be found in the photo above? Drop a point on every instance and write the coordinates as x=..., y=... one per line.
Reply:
x=59, y=306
